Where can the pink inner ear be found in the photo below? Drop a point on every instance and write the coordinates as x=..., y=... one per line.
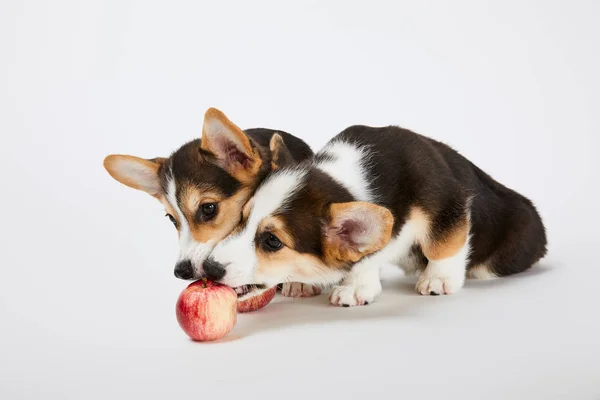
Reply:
x=233, y=154
x=351, y=231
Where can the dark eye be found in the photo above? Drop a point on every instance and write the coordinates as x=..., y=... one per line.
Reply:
x=272, y=243
x=208, y=211
x=172, y=219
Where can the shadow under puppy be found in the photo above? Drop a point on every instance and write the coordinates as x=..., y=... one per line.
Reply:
x=206, y=182
x=374, y=196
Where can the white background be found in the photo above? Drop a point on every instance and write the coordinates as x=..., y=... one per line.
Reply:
x=87, y=291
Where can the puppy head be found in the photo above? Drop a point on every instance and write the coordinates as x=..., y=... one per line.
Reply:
x=300, y=226
x=203, y=185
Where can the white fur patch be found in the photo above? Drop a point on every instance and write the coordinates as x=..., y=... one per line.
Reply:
x=273, y=194
x=348, y=168
x=357, y=289
x=237, y=252
x=481, y=271
x=445, y=276
x=189, y=249
x=184, y=229
x=448, y=275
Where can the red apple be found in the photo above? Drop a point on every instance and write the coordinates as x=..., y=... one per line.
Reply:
x=206, y=310
x=256, y=302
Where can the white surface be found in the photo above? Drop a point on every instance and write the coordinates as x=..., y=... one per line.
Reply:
x=87, y=291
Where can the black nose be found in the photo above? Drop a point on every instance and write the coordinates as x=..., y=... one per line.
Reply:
x=184, y=270
x=213, y=270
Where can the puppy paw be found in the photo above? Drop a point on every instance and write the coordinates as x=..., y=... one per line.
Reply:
x=296, y=289
x=434, y=284
x=354, y=295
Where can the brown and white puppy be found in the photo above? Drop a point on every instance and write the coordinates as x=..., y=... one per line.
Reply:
x=374, y=196
x=206, y=182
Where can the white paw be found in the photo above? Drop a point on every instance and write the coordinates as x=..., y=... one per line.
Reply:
x=355, y=295
x=436, y=284
x=296, y=289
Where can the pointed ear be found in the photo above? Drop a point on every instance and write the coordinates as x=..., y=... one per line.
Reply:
x=230, y=145
x=356, y=229
x=280, y=155
x=137, y=173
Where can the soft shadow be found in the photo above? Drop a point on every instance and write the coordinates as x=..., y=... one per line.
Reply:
x=284, y=312
x=405, y=285
x=398, y=300
x=317, y=310
x=533, y=272
x=234, y=336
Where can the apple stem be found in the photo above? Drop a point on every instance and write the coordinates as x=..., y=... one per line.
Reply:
x=204, y=283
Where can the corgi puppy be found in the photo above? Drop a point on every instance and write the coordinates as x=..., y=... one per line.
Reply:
x=206, y=182
x=374, y=196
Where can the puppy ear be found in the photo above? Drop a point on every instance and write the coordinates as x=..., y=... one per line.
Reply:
x=230, y=145
x=280, y=154
x=355, y=230
x=137, y=173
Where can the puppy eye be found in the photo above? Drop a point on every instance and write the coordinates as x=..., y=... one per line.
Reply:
x=272, y=243
x=208, y=211
x=172, y=219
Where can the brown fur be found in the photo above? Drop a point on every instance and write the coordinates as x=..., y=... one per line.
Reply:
x=302, y=264
x=247, y=208
x=449, y=244
x=276, y=226
x=442, y=245
x=280, y=155
x=227, y=218
x=146, y=175
x=245, y=172
x=337, y=251
x=288, y=259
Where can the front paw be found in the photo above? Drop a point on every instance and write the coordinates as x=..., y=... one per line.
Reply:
x=434, y=284
x=296, y=289
x=354, y=295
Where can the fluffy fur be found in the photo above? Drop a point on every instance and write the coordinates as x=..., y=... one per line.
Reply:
x=205, y=183
x=375, y=196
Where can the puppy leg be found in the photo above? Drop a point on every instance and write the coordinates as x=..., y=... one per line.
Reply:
x=361, y=285
x=296, y=289
x=445, y=276
x=448, y=254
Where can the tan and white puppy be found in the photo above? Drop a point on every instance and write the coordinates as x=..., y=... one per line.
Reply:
x=206, y=182
x=377, y=196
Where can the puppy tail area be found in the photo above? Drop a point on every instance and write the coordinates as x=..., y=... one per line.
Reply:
x=523, y=246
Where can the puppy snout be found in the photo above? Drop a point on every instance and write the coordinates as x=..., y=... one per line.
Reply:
x=213, y=269
x=184, y=270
